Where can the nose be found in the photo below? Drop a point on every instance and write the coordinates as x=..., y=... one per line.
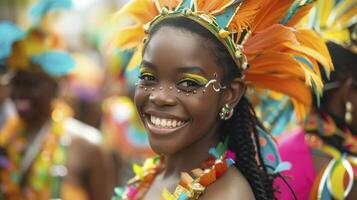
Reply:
x=160, y=96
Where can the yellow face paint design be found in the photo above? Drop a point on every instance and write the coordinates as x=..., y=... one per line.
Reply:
x=146, y=75
x=199, y=80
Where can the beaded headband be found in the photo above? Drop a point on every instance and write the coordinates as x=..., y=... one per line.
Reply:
x=217, y=25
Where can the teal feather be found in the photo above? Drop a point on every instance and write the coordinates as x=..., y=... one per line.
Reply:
x=9, y=34
x=213, y=151
x=224, y=19
x=54, y=63
x=186, y=4
x=40, y=9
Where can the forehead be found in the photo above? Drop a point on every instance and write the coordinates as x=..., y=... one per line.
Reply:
x=171, y=47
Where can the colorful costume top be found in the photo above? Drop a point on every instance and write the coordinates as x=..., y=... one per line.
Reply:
x=36, y=170
x=322, y=134
x=335, y=180
x=268, y=51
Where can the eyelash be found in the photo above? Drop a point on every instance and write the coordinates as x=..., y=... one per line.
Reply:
x=192, y=84
x=147, y=78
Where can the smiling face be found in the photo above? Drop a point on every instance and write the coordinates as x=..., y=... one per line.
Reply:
x=174, y=104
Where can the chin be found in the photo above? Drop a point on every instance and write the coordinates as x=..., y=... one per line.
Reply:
x=162, y=147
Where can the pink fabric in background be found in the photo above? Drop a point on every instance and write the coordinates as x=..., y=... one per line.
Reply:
x=292, y=148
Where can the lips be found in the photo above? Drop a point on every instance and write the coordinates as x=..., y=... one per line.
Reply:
x=23, y=105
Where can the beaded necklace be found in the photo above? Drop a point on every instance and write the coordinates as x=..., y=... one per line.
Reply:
x=189, y=187
x=46, y=169
x=336, y=179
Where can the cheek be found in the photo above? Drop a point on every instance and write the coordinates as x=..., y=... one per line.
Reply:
x=204, y=112
x=139, y=99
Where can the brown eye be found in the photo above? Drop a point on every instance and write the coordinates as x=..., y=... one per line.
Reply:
x=188, y=83
x=147, y=77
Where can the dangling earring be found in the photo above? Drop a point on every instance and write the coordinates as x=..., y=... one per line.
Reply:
x=348, y=113
x=226, y=112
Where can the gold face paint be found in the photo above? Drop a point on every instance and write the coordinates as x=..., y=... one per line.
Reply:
x=146, y=75
x=199, y=80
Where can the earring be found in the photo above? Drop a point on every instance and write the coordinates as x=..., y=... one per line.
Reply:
x=226, y=112
x=348, y=113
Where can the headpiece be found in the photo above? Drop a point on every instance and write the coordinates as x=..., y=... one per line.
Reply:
x=334, y=21
x=258, y=34
x=36, y=49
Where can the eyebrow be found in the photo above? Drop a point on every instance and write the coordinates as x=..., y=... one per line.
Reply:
x=183, y=69
x=147, y=64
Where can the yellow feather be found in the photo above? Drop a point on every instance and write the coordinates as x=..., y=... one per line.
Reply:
x=136, y=58
x=324, y=9
x=171, y=4
x=142, y=11
x=130, y=37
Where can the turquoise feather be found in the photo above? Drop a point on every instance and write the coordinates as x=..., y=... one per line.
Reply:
x=224, y=19
x=9, y=34
x=54, y=63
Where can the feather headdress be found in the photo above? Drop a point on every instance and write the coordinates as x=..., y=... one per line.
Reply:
x=332, y=19
x=258, y=34
x=35, y=50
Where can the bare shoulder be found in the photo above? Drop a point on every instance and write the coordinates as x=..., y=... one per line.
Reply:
x=77, y=129
x=231, y=186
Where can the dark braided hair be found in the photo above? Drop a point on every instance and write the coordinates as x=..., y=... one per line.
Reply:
x=241, y=128
x=242, y=140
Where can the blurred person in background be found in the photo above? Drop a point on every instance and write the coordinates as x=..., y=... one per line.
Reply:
x=7, y=109
x=323, y=151
x=44, y=153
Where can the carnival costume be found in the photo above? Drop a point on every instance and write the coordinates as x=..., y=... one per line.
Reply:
x=36, y=170
x=322, y=133
x=270, y=54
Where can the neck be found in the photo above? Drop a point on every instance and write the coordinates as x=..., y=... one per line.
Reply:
x=192, y=156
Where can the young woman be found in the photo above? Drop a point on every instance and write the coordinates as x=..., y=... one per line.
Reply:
x=191, y=87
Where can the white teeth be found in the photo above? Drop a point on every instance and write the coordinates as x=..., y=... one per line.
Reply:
x=163, y=123
x=166, y=123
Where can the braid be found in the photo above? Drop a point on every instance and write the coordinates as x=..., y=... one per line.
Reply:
x=239, y=130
